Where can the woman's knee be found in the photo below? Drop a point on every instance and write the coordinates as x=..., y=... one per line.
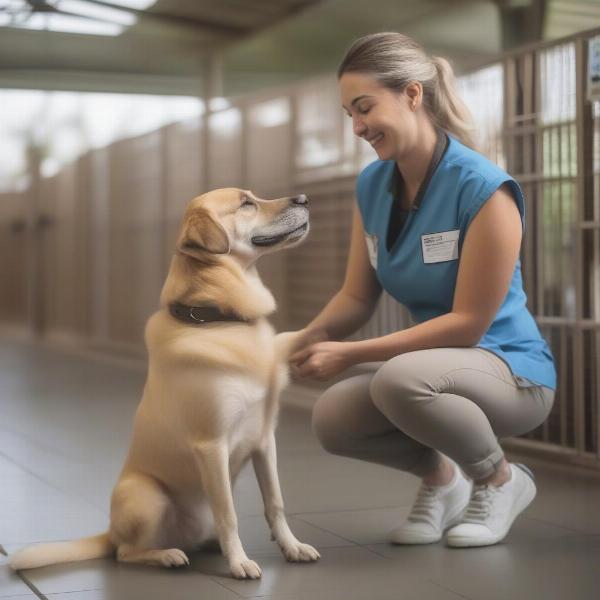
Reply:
x=344, y=414
x=402, y=383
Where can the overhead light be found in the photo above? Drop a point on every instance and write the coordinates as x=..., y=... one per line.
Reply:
x=96, y=19
x=68, y=24
x=96, y=11
x=136, y=4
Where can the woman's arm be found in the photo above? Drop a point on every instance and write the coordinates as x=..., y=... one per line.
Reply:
x=489, y=254
x=354, y=304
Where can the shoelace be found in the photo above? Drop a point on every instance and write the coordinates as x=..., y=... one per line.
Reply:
x=425, y=502
x=480, y=505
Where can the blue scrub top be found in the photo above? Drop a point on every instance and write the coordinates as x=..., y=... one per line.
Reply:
x=421, y=266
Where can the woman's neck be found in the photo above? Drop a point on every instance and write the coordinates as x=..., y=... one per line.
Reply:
x=413, y=166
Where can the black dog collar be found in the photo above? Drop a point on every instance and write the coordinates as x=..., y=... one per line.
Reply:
x=198, y=315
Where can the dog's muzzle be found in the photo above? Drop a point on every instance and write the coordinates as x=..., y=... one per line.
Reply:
x=290, y=225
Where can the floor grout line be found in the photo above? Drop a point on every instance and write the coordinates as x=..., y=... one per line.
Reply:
x=23, y=579
x=218, y=582
x=348, y=510
x=433, y=582
x=32, y=587
x=329, y=532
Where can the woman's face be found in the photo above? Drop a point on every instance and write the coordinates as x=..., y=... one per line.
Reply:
x=386, y=119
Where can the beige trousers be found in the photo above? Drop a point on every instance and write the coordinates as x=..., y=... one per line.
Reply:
x=419, y=405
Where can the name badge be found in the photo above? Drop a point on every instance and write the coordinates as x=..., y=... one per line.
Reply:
x=372, y=244
x=440, y=247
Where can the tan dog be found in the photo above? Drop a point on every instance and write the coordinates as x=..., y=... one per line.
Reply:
x=211, y=397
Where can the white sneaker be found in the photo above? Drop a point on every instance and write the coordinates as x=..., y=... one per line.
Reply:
x=435, y=509
x=492, y=510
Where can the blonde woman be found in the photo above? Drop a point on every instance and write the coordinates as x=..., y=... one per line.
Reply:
x=438, y=227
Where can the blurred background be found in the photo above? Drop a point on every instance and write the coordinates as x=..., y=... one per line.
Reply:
x=113, y=115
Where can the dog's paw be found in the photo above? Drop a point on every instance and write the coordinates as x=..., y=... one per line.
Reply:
x=299, y=552
x=174, y=558
x=245, y=569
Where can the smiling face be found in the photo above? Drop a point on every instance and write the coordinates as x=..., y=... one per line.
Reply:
x=383, y=117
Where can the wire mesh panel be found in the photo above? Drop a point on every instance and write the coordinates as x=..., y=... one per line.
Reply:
x=183, y=174
x=137, y=235
x=389, y=316
x=268, y=146
x=15, y=257
x=315, y=270
x=553, y=147
x=63, y=241
x=324, y=146
x=226, y=149
x=482, y=93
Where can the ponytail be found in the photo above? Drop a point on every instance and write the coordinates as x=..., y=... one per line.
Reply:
x=447, y=107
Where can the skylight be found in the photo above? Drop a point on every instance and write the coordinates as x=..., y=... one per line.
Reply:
x=71, y=16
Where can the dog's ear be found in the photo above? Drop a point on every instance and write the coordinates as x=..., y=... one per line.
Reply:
x=202, y=233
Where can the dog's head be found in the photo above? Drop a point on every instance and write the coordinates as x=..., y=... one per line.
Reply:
x=236, y=222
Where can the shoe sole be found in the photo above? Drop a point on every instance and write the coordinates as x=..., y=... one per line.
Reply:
x=521, y=503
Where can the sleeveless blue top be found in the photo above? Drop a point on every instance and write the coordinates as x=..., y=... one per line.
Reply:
x=421, y=266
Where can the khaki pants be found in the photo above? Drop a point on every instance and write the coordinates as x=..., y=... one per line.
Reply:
x=408, y=410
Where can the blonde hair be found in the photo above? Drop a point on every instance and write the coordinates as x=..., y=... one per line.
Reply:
x=395, y=60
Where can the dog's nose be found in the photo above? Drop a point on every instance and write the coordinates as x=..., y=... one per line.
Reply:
x=301, y=199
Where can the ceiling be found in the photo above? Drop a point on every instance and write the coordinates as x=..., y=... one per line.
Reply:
x=163, y=52
x=262, y=43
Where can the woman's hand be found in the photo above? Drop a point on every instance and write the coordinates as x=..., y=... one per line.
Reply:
x=323, y=360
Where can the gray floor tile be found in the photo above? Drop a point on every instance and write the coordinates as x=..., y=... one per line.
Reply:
x=350, y=571
x=256, y=537
x=537, y=560
x=424, y=591
x=33, y=511
x=347, y=484
x=119, y=582
x=76, y=474
x=567, y=500
x=367, y=526
x=170, y=592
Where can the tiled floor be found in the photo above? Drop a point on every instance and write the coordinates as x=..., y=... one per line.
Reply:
x=64, y=427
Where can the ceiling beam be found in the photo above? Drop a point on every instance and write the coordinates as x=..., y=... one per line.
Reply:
x=522, y=21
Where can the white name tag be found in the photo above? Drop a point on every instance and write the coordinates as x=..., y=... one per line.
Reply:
x=440, y=247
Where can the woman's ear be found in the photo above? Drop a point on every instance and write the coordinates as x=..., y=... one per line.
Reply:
x=201, y=233
x=414, y=93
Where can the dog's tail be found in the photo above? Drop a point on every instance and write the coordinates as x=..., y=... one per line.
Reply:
x=40, y=555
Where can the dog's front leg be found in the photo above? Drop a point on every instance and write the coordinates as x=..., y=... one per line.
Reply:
x=265, y=465
x=213, y=460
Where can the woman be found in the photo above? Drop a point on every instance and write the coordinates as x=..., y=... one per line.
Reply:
x=438, y=227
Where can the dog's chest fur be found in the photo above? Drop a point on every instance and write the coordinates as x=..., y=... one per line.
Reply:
x=205, y=384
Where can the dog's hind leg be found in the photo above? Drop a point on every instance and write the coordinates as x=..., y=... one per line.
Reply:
x=139, y=521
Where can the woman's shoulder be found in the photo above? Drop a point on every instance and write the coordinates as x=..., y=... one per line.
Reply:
x=476, y=178
x=468, y=164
